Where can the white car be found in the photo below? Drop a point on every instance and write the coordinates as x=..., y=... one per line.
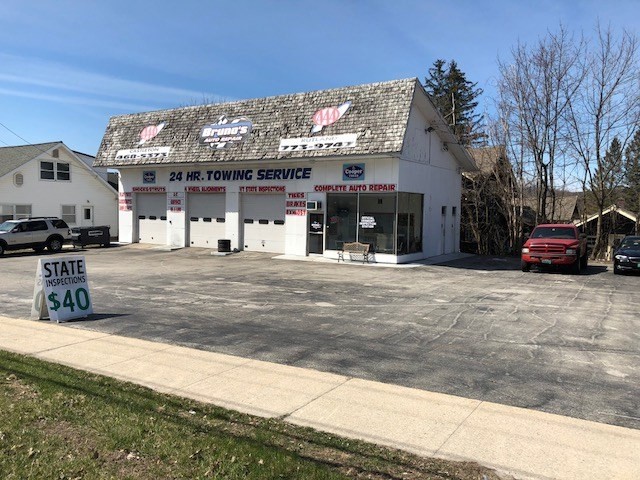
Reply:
x=37, y=233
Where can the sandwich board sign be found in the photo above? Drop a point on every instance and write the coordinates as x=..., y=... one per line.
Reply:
x=61, y=290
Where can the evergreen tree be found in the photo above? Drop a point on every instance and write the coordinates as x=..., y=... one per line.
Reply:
x=606, y=178
x=609, y=175
x=455, y=97
x=632, y=174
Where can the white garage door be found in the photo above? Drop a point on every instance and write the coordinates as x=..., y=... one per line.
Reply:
x=152, y=218
x=263, y=222
x=206, y=219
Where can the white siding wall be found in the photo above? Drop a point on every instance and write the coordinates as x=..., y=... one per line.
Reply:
x=427, y=168
x=47, y=196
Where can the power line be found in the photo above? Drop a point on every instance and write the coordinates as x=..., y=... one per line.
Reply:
x=21, y=138
x=7, y=128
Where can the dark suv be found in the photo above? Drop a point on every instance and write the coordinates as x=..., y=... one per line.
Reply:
x=37, y=233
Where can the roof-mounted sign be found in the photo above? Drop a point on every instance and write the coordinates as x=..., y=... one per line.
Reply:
x=149, y=132
x=146, y=154
x=225, y=133
x=346, y=140
x=328, y=116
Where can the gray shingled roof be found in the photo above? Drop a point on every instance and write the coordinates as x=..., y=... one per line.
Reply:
x=378, y=115
x=488, y=159
x=14, y=157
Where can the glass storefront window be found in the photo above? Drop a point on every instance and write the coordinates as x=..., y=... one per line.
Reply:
x=409, y=223
x=376, y=222
x=390, y=222
x=342, y=219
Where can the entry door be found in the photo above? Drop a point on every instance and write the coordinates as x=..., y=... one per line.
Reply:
x=443, y=228
x=316, y=232
x=87, y=216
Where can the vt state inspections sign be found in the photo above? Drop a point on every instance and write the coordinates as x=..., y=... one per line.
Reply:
x=61, y=290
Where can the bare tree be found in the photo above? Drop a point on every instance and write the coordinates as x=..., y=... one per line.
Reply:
x=535, y=89
x=508, y=179
x=487, y=202
x=606, y=106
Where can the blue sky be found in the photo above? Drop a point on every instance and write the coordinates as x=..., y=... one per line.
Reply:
x=66, y=66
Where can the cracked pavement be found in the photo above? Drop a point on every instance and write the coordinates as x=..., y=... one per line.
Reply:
x=477, y=327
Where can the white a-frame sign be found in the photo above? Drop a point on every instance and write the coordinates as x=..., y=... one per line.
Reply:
x=61, y=290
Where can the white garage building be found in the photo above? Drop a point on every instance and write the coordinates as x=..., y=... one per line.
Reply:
x=297, y=174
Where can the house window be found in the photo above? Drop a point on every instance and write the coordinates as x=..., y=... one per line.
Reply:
x=6, y=213
x=55, y=171
x=46, y=171
x=22, y=211
x=69, y=213
x=62, y=171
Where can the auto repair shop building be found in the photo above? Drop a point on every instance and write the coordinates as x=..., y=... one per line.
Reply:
x=294, y=174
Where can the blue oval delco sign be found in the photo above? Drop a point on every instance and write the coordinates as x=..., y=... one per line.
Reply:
x=353, y=171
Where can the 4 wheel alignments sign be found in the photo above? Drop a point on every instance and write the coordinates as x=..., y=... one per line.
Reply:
x=61, y=290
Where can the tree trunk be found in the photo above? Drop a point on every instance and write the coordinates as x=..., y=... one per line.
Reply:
x=598, y=245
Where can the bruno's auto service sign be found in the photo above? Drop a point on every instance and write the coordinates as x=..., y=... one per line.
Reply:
x=61, y=289
x=225, y=133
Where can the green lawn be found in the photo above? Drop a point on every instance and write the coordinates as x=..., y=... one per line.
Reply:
x=61, y=423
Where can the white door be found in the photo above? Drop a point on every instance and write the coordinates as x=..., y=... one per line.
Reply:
x=87, y=216
x=206, y=219
x=152, y=218
x=263, y=222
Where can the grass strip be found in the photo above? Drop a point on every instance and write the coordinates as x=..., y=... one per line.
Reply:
x=60, y=423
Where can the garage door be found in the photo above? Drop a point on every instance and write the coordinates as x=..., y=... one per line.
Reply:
x=206, y=219
x=263, y=222
x=152, y=218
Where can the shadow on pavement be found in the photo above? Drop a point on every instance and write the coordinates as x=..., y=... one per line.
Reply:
x=484, y=262
x=497, y=263
x=99, y=316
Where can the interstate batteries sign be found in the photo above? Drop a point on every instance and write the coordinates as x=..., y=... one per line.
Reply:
x=61, y=291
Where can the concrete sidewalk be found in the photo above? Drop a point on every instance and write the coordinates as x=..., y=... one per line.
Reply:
x=520, y=442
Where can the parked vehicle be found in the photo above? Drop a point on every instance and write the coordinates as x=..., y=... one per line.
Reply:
x=555, y=244
x=627, y=256
x=37, y=233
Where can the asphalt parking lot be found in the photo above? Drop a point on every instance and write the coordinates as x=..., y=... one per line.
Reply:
x=477, y=327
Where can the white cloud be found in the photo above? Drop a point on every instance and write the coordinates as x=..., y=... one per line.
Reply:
x=87, y=101
x=45, y=80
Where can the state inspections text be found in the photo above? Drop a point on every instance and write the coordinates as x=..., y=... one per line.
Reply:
x=56, y=282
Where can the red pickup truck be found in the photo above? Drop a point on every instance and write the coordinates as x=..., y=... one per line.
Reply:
x=555, y=244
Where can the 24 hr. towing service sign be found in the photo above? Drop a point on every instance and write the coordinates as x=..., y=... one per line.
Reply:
x=62, y=289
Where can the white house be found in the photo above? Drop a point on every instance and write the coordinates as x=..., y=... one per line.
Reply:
x=49, y=179
x=296, y=174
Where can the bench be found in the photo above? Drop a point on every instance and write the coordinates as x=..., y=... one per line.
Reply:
x=353, y=249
